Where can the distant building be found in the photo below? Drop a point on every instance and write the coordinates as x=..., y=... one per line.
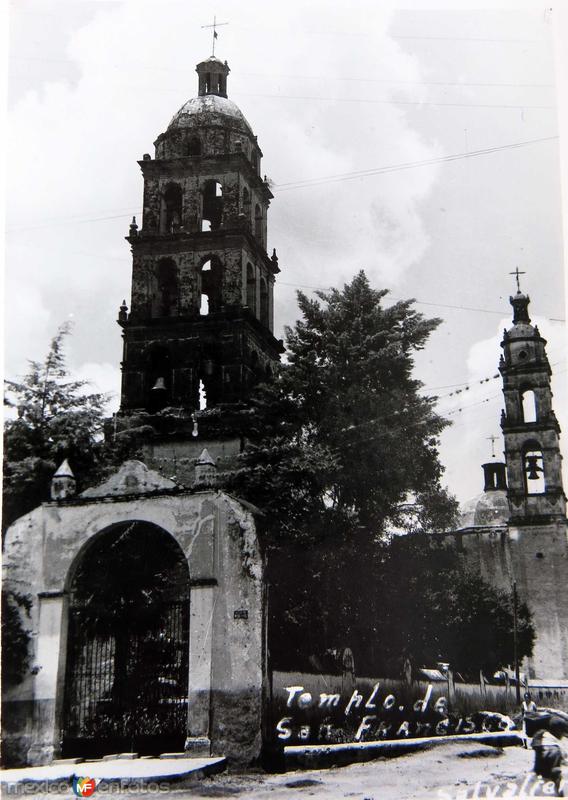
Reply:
x=516, y=530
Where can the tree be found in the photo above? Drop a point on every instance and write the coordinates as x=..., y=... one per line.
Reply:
x=56, y=419
x=343, y=447
x=344, y=435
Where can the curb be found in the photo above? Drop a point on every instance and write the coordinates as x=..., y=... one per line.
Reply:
x=316, y=756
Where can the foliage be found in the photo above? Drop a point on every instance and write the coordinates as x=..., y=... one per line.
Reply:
x=344, y=449
x=343, y=436
x=409, y=600
x=56, y=419
x=435, y=609
x=15, y=637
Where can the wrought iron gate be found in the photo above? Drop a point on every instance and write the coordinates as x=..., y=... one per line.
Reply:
x=126, y=690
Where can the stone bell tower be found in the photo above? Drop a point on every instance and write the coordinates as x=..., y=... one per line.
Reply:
x=529, y=425
x=198, y=335
x=199, y=331
x=516, y=532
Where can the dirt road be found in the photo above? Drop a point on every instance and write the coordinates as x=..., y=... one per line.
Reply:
x=453, y=768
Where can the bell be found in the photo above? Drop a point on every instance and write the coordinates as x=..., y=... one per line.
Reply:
x=532, y=468
x=159, y=386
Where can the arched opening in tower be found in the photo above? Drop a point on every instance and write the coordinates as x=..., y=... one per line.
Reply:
x=166, y=295
x=193, y=146
x=533, y=465
x=246, y=204
x=210, y=285
x=202, y=396
x=528, y=405
x=158, y=378
x=264, y=316
x=251, y=288
x=258, y=222
x=171, y=209
x=212, y=206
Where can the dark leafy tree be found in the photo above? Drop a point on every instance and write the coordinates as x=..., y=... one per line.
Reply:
x=343, y=437
x=344, y=447
x=431, y=608
x=56, y=419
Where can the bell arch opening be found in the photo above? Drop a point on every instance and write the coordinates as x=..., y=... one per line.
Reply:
x=212, y=206
x=210, y=288
x=166, y=295
x=127, y=672
x=171, y=208
x=251, y=288
x=158, y=378
x=533, y=468
x=528, y=405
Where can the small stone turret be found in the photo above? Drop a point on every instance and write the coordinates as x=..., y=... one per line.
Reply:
x=63, y=484
x=205, y=469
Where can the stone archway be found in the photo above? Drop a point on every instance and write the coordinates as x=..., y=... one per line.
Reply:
x=127, y=670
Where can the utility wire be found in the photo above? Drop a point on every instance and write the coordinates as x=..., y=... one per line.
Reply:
x=326, y=78
x=282, y=187
x=392, y=101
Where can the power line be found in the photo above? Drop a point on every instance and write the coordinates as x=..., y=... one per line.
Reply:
x=300, y=184
x=326, y=78
x=319, y=98
x=284, y=187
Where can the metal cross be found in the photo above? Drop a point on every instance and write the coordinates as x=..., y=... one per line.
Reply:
x=516, y=273
x=492, y=439
x=215, y=26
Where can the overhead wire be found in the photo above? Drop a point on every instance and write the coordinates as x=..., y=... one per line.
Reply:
x=409, y=164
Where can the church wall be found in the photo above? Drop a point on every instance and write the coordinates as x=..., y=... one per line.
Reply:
x=227, y=658
x=536, y=557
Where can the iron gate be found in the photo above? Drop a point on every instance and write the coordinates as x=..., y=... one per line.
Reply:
x=126, y=689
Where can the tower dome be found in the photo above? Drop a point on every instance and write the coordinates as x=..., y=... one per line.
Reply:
x=209, y=124
x=491, y=508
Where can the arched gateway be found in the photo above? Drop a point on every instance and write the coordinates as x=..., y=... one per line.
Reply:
x=127, y=670
x=146, y=623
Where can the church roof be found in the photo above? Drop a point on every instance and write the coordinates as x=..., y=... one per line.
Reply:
x=132, y=477
x=198, y=111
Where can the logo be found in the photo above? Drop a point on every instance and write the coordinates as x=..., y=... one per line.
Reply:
x=84, y=787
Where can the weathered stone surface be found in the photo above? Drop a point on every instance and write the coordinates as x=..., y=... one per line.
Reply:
x=227, y=657
x=133, y=477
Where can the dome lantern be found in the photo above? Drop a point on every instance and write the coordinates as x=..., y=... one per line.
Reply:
x=212, y=77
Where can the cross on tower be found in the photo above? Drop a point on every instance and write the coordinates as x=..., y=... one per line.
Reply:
x=516, y=273
x=492, y=439
x=215, y=26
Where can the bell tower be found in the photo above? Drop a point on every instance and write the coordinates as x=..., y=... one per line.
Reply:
x=199, y=330
x=530, y=428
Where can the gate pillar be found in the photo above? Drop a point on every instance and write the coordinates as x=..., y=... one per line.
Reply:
x=200, y=649
x=49, y=677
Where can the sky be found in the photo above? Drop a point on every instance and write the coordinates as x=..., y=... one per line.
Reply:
x=419, y=145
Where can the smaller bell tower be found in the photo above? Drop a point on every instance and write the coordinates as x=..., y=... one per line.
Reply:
x=530, y=428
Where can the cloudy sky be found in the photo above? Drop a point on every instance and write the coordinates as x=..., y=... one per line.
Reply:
x=357, y=110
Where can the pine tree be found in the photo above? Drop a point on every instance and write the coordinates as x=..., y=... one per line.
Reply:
x=56, y=419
